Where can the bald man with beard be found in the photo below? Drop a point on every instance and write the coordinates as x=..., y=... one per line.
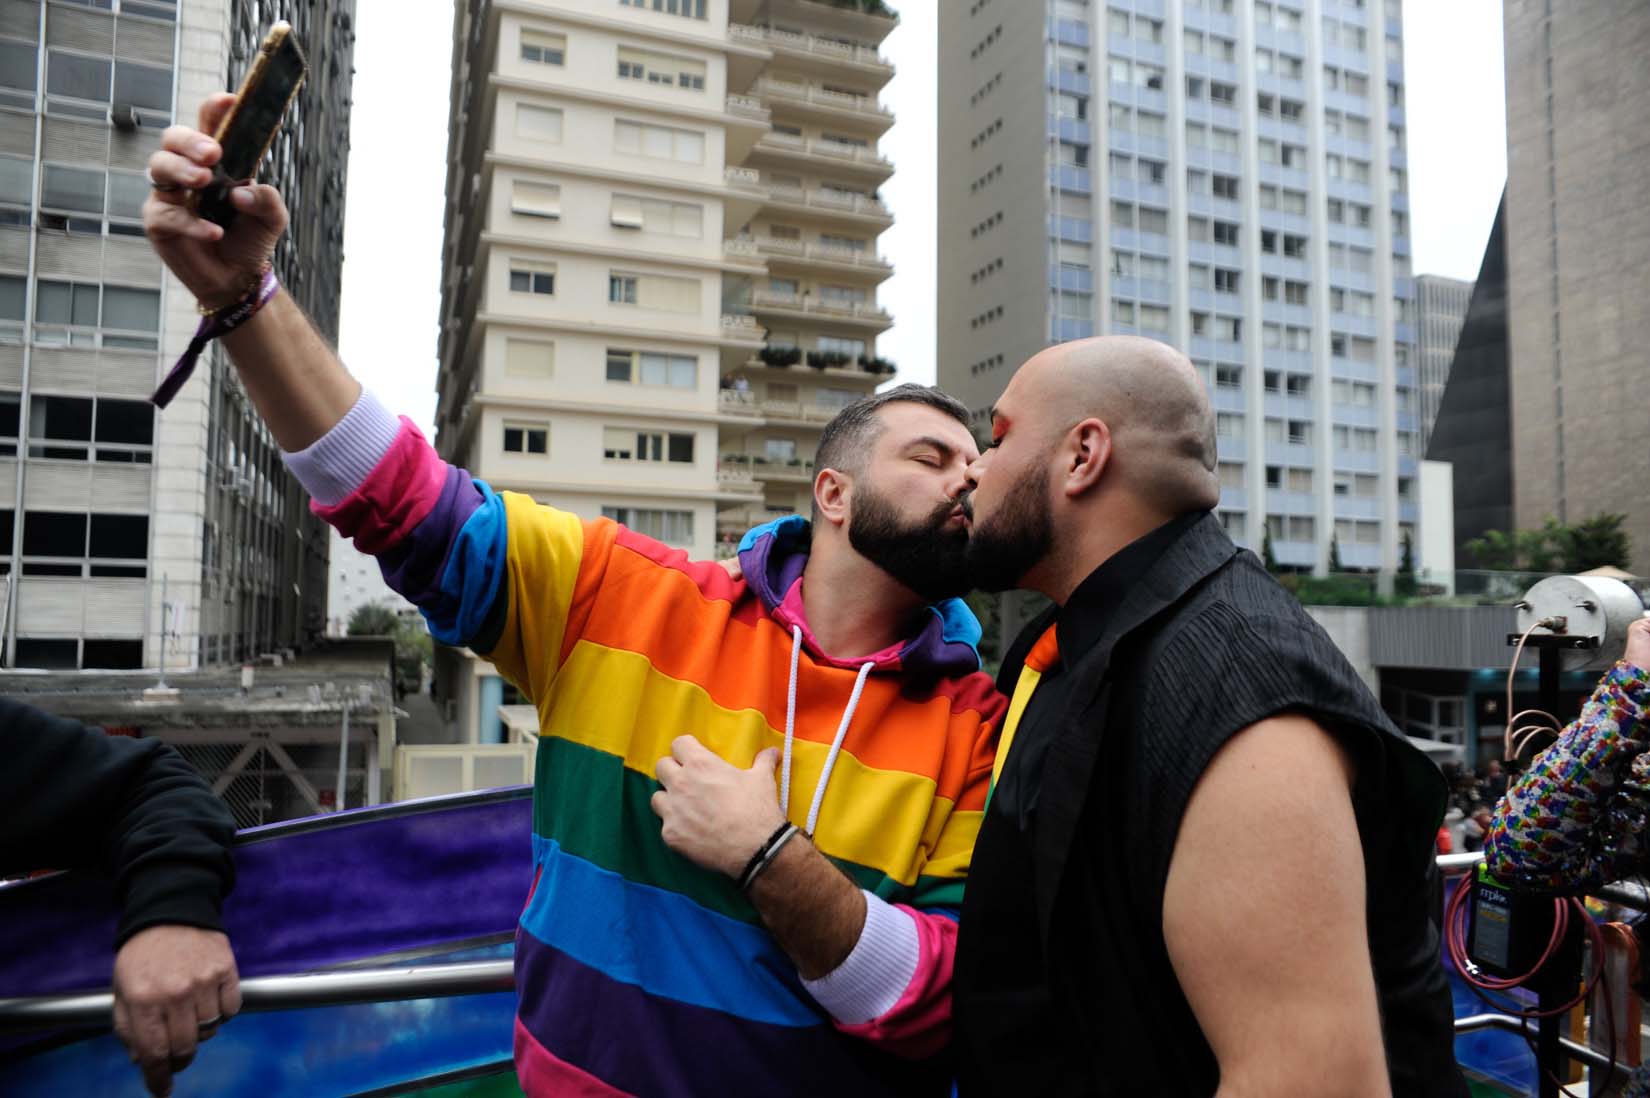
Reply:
x=1206, y=865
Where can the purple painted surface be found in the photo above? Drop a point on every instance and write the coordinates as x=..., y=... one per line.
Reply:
x=308, y=895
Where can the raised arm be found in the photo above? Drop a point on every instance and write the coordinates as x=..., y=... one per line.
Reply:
x=1553, y=829
x=296, y=381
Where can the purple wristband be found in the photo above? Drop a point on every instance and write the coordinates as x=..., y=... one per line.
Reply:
x=213, y=325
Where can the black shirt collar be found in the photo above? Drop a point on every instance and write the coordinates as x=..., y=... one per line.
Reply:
x=1083, y=619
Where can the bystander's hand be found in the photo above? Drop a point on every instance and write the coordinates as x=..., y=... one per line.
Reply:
x=1638, y=644
x=174, y=985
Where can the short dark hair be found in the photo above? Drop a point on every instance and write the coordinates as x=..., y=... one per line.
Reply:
x=851, y=433
x=848, y=438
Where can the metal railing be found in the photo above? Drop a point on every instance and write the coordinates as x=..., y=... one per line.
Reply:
x=305, y=990
x=364, y=985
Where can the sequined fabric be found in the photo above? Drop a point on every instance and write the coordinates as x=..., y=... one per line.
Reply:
x=1577, y=817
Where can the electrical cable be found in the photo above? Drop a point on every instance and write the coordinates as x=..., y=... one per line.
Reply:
x=1524, y=734
x=1481, y=984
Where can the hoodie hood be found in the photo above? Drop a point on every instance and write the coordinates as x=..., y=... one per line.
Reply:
x=773, y=556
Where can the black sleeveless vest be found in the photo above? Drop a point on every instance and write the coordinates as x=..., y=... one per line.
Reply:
x=1063, y=983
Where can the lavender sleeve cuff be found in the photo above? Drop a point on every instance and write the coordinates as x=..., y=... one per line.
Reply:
x=871, y=979
x=338, y=462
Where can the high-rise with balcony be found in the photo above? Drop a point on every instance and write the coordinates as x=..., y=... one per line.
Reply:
x=1224, y=175
x=105, y=504
x=660, y=266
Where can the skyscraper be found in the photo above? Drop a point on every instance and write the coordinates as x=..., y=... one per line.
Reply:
x=102, y=502
x=1578, y=231
x=1228, y=176
x=1441, y=309
x=660, y=261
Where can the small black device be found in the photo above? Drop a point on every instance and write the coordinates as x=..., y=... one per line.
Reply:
x=249, y=128
x=1511, y=929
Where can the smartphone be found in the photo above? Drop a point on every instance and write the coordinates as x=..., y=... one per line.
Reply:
x=249, y=128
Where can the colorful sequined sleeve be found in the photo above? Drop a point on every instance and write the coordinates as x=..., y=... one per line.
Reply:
x=1572, y=820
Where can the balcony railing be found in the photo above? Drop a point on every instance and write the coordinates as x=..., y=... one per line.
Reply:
x=739, y=403
x=806, y=303
x=745, y=179
x=776, y=141
x=742, y=327
x=793, y=470
x=821, y=253
x=821, y=199
x=745, y=106
x=772, y=88
x=822, y=48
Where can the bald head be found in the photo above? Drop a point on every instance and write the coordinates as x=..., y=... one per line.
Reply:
x=1150, y=397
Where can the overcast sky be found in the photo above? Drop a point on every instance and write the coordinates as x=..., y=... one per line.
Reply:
x=392, y=233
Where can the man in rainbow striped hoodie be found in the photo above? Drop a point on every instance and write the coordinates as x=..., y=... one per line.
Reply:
x=640, y=972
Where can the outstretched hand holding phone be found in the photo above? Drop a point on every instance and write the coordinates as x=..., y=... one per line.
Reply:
x=215, y=265
x=294, y=378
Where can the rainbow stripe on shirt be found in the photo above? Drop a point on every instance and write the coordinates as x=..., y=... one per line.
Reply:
x=638, y=972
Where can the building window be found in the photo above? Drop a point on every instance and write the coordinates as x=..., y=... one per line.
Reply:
x=652, y=368
x=535, y=199
x=71, y=313
x=654, y=215
x=532, y=280
x=625, y=444
x=691, y=9
x=63, y=543
x=670, y=527
x=77, y=77
x=658, y=68
x=538, y=123
x=659, y=142
x=526, y=438
x=667, y=294
x=543, y=49
x=529, y=358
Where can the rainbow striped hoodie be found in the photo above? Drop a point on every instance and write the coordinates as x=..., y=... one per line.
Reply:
x=638, y=972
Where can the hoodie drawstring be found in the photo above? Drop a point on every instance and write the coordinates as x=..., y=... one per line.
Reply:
x=790, y=735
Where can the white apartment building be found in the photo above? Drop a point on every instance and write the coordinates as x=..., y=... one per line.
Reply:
x=1441, y=311
x=660, y=262
x=1228, y=176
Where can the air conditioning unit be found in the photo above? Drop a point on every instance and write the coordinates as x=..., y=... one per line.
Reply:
x=125, y=117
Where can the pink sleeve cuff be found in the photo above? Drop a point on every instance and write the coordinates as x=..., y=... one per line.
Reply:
x=873, y=977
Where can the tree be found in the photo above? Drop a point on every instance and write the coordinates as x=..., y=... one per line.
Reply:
x=375, y=619
x=1597, y=542
x=1266, y=556
x=413, y=648
x=1555, y=547
x=1334, y=554
x=1406, y=585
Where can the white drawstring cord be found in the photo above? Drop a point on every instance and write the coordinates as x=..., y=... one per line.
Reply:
x=790, y=723
x=836, y=747
x=790, y=735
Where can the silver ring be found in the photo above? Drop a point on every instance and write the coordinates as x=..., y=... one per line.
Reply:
x=212, y=1023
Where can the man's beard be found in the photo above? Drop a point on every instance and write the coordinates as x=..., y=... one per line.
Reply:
x=929, y=556
x=1002, y=549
